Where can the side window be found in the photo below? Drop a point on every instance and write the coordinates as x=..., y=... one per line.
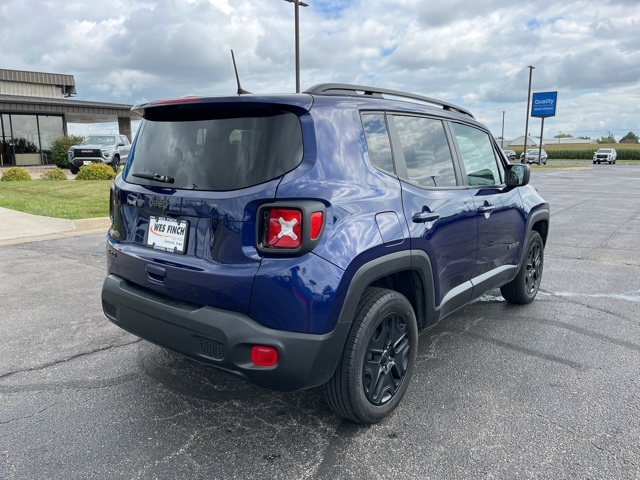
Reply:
x=378, y=145
x=426, y=151
x=478, y=156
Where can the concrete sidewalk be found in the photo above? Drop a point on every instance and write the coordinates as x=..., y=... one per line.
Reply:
x=19, y=227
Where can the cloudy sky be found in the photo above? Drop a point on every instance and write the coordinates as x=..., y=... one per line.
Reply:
x=469, y=52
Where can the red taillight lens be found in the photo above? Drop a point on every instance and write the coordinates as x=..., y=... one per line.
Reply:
x=289, y=227
x=284, y=228
x=316, y=225
x=264, y=356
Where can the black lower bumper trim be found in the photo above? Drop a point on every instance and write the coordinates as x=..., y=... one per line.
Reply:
x=223, y=338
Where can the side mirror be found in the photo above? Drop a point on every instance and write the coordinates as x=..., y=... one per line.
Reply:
x=518, y=175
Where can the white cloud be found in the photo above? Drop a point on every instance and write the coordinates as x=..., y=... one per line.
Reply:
x=463, y=51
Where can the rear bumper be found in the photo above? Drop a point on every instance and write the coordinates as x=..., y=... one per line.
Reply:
x=223, y=338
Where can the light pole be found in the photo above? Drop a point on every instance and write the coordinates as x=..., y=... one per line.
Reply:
x=526, y=128
x=297, y=4
x=502, y=135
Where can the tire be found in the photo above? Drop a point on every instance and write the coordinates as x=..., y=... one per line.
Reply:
x=378, y=359
x=115, y=164
x=523, y=289
x=73, y=169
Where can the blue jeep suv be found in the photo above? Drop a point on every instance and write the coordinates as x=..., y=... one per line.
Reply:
x=304, y=240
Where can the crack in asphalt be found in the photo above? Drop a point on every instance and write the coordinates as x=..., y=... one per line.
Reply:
x=27, y=416
x=527, y=351
x=65, y=360
x=581, y=330
x=77, y=385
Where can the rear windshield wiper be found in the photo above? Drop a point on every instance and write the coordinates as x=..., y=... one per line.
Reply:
x=154, y=176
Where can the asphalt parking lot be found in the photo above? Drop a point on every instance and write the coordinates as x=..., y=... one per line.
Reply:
x=550, y=390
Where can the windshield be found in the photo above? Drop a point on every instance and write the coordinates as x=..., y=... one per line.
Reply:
x=99, y=140
x=605, y=150
x=217, y=154
x=532, y=152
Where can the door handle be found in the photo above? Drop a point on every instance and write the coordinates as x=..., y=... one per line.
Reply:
x=425, y=216
x=486, y=208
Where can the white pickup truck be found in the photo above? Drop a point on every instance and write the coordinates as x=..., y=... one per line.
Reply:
x=605, y=155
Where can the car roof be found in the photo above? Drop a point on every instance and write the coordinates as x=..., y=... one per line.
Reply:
x=363, y=96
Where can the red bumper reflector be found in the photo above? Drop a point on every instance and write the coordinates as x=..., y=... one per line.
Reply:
x=264, y=356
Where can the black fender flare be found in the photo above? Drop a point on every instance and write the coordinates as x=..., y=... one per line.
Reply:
x=535, y=217
x=404, y=260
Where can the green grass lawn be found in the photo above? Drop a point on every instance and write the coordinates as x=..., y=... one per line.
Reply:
x=72, y=199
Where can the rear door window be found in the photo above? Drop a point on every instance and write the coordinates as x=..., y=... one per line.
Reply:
x=217, y=154
x=426, y=151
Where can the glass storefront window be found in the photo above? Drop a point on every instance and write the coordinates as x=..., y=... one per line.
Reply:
x=50, y=129
x=26, y=139
x=6, y=144
x=25, y=134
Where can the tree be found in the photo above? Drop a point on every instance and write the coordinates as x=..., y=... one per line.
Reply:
x=608, y=139
x=60, y=146
x=629, y=138
x=563, y=135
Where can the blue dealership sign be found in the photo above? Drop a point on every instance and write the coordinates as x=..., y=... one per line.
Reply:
x=544, y=104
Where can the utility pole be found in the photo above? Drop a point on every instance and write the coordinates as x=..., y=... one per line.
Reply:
x=502, y=136
x=297, y=4
x=526, y=128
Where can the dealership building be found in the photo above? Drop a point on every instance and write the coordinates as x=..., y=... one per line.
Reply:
x=35, y=109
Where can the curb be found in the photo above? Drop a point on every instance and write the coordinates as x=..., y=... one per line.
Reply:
x=85, y=226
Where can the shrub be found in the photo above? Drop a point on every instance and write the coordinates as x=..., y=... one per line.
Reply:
x=55, y=174
x=96, y=171
x=60, y=146
x=15, y=174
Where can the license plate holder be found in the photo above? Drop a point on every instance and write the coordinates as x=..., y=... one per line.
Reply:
x=168, y=234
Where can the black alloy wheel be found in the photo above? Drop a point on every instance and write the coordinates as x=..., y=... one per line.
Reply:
x=524, y=287
x=387, y=359
x=533, y=268
x=378, y=359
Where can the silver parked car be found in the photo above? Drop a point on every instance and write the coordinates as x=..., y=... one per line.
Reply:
x=533, y=157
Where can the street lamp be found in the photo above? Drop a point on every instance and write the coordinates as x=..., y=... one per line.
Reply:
x=297, y=4
x=526, y=128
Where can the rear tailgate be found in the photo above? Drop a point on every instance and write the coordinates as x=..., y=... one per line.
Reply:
x=213, y=261
x=184, y=208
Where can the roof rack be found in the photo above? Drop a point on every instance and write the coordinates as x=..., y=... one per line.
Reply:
x=353, y=90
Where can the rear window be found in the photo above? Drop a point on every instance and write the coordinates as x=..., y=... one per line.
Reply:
x=217, y=154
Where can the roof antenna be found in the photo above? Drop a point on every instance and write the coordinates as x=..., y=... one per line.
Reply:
x=240, y=89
